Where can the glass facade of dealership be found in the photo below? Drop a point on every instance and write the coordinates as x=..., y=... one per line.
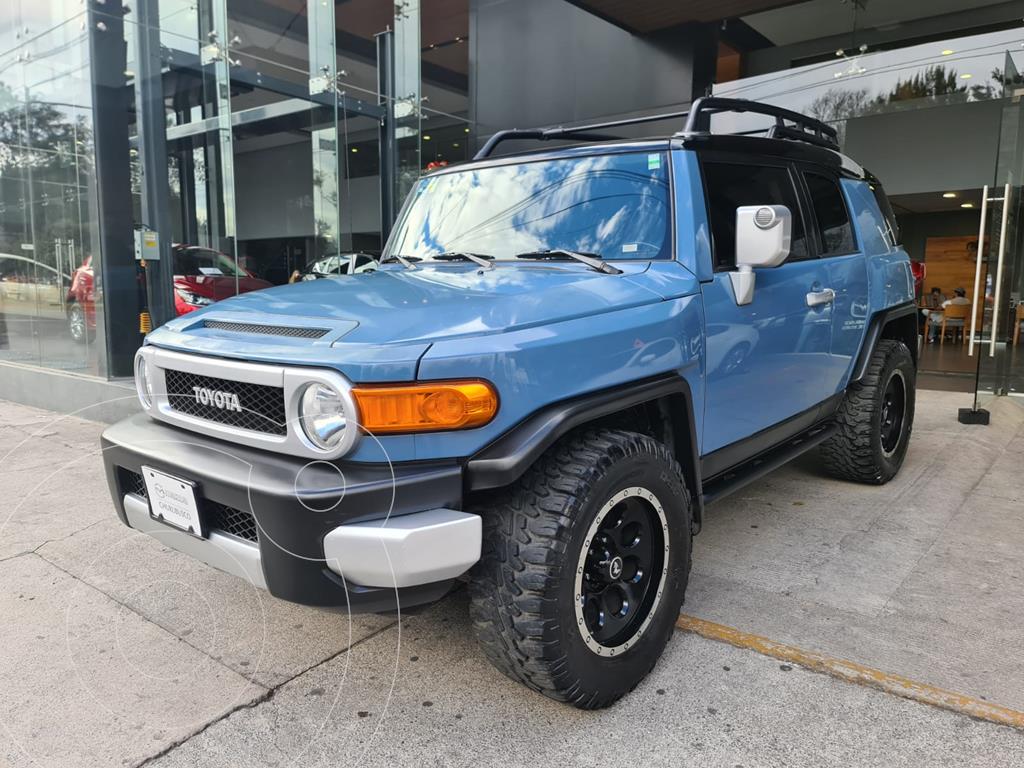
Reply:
x=238, y=143
x=246, y=135
x=941, y=123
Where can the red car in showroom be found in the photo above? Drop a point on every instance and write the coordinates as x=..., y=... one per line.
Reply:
x=201, y=277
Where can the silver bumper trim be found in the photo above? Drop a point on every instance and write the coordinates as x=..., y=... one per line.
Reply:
x=407, y=550
x=225, y=553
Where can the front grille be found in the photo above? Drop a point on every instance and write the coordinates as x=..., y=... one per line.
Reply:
x=268, y=330
x=262, y=405
x=237, y=522
x=216, y=516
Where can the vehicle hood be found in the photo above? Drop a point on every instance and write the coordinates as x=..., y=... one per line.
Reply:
x=432, y=302
x=218, y=288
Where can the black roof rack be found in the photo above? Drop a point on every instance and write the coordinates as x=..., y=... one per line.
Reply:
x=698, y=121
x=581, y=132
x=803, y=128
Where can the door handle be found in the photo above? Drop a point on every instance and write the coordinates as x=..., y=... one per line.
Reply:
x=999, y=271
x=978, y=256
x=818, y=298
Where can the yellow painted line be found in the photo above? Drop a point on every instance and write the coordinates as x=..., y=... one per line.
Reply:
x=852, y=672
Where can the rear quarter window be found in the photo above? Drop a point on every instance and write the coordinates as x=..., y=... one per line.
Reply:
x=831, y=215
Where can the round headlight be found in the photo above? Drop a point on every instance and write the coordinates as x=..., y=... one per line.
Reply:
x=143, y=384
x=322, y=416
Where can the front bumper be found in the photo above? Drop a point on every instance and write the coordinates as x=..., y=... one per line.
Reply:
x=367, y=538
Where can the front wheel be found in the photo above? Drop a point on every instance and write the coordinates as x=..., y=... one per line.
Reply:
x=875, y=419
x=584, y=566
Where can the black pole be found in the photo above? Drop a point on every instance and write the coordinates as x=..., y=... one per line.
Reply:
x=152, y=146
x=388, y=146
x=115, y=262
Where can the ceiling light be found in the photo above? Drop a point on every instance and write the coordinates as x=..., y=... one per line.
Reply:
x=948, y=52
x=466, y=130
x=949, y=194
x=355, y=149
x=966, y=76
x=455, y=144
x=966, y=205
x=426, y=137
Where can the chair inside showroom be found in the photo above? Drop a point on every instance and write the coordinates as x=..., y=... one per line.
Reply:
x=954, y=317
x=1018, y=324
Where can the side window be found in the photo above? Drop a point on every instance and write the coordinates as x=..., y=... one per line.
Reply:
x=730, y=185
x=831, y=215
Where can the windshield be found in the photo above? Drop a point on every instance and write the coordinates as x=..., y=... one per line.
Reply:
x=615, y=206
x=192, y=262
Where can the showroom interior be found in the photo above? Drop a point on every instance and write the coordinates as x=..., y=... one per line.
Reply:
x=162, y=154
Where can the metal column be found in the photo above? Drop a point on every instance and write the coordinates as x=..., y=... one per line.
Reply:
x=388, y=146
x=152, y=146
x=115, y=263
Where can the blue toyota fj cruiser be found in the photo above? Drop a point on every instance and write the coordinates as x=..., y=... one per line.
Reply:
x=563, y=358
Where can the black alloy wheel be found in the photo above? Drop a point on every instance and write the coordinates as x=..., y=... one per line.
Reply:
x=622, y=571
x=894, y=404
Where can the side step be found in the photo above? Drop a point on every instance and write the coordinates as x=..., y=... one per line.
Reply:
x=736, y=477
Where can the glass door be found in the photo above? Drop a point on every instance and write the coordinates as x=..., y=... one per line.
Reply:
x=997, y=309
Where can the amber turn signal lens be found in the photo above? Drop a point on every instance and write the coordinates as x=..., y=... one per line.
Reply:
x=425, y=407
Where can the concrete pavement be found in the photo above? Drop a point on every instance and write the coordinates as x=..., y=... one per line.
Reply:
x=117, y=651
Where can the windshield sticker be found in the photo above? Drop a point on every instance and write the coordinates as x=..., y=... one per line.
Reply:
x=653, y=162
x=629, y=247
x=212, y=271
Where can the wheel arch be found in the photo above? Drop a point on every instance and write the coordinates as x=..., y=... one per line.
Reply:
x=661, y=407
x=898, y=323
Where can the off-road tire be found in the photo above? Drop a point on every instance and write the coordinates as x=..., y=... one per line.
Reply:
x=522, y=590
x=855, y=451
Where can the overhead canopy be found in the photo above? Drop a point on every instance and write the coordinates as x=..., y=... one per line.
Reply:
x=652, y=15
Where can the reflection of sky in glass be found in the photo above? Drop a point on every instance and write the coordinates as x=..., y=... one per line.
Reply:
x=861, y=84
x=613, y=205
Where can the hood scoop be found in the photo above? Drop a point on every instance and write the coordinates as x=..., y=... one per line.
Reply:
x=233, y=327
x=292, y=331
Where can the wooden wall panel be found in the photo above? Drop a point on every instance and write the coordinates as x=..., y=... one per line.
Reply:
x=949, y=263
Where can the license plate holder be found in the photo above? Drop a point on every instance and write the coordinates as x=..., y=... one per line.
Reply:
x=172, y=501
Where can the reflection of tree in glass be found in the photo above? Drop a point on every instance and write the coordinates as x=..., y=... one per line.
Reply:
x=37, y=125
x=995, y=88
x=837, y=105
x=50, y=147
x=932, y=82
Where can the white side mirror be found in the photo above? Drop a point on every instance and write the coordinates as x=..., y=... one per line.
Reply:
x=763, y=237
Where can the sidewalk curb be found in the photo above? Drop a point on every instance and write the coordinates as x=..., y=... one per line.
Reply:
x=858, y=674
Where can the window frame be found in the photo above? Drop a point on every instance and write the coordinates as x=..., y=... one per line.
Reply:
x=803, y=170
x=759, y=161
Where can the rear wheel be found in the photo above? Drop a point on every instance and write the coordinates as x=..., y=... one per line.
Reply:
x=584, y=565
x=875, y=419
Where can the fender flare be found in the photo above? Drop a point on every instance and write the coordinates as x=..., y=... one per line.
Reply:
x=875, y=327
x=505, y=459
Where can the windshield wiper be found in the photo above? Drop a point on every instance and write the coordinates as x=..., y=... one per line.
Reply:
x=483, y=261
x=405, y=261
x=594, y=262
